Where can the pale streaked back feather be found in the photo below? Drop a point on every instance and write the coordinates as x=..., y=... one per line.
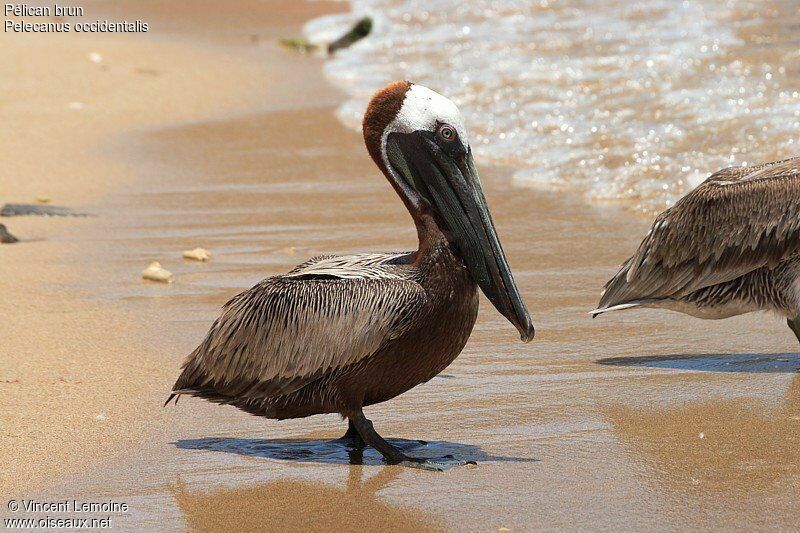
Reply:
x=357, y=266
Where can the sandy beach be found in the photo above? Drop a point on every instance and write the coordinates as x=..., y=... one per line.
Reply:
x=73, y=104
x=205, y=132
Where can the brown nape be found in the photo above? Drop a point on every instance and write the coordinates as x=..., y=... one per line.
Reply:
x=381, y=111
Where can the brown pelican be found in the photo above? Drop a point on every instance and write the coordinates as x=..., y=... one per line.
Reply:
x=731, y=246
x=336, y=334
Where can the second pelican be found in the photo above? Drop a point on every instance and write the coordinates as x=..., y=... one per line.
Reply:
x=731, y=246
x=338, y=333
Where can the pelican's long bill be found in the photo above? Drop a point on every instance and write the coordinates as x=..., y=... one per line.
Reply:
x=443, y=176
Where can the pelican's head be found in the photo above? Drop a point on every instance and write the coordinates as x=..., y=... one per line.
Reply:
x=417, y=138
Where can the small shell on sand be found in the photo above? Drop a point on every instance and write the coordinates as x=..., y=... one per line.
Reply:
x=290, y=250
x=155, y=272
x=198, y=254
x=95, y=57
x=76, y=105
x=43, y=199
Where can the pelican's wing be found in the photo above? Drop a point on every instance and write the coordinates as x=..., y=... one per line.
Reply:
x=736, y=221
x=290, y=330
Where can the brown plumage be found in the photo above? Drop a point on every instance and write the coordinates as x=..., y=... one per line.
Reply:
x=338, y=333
x=728, y=247
x=323, y=342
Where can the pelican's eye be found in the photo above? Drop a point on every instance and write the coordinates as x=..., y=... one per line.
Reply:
x=447, y=132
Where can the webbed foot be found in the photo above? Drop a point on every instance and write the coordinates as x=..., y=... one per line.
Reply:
x=393, y=455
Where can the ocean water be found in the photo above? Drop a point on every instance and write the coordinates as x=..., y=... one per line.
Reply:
x=627, y=102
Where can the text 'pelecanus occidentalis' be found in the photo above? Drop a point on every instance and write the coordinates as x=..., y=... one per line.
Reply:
x=731, y=246
x=339, y=333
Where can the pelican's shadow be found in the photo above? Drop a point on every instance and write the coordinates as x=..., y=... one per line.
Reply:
x=746, y=362
x=339, y=452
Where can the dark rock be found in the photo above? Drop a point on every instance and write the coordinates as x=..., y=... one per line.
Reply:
x=6, y=237
x=356, y=33
x=17, y=210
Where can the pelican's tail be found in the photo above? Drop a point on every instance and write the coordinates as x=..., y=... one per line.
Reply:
x=620, y=307
x=171, y=396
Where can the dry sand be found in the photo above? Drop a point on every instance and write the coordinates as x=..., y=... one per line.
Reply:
x=199, y=137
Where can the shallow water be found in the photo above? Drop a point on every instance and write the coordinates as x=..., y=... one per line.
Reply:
x=630, y=101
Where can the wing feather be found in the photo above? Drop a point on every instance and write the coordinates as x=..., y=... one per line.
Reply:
x=738, y=220
x=285, y=332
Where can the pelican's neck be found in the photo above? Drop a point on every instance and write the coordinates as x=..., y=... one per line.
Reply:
x=437, y=261
x=434, y=247
x=428, y=233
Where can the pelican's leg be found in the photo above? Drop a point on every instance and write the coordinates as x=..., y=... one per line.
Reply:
x=394, y=455
x=794, y=325
x=351, y=436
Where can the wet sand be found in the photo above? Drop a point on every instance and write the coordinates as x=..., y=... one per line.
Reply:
x=636, y=421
